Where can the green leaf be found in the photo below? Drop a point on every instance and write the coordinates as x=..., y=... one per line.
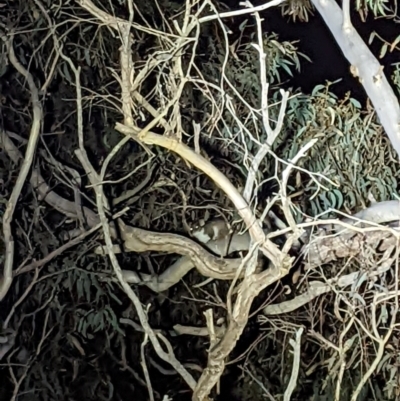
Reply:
x=383, y=50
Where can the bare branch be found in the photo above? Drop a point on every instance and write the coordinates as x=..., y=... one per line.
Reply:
x=6, y=280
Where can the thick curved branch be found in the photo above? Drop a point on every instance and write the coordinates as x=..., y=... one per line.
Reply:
x=139, y=240
x=174, y=273
x=270, y=250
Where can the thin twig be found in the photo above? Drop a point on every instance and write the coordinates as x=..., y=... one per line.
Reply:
x=296, y=364
x=144, y=367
